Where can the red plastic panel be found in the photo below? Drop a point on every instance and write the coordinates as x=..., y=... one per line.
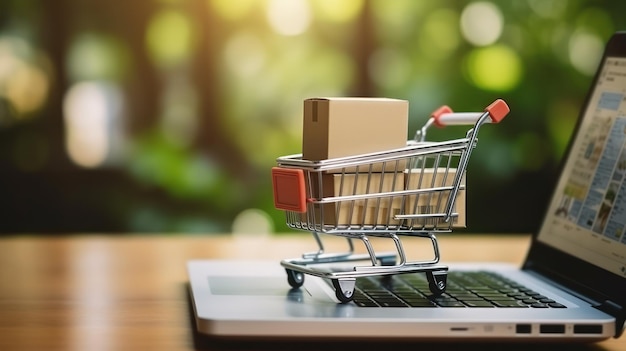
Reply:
x=289, y=189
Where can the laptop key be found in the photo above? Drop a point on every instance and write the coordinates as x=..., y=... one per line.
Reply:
x=539, y=305
x=529, y=301
x=393, y=303
x=508, y=304
x=556, y=305
x=421, y=303
x=451, y=304
x=465, y=298
x=365, y=303
x=482, y=303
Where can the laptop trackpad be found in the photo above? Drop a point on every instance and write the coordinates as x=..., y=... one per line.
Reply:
x=271, y=286
x=257, y=286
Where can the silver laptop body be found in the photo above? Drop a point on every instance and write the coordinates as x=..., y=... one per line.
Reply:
x=578, y=258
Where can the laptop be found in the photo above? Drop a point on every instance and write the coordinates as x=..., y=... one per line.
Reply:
x=571, y=286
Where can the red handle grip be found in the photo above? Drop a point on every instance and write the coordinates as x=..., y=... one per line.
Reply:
x=498, y=110
x=438, y=113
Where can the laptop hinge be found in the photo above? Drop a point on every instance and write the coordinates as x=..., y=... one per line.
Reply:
x=616, y=311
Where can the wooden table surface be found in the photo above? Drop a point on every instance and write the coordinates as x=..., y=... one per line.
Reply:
x=105, y=292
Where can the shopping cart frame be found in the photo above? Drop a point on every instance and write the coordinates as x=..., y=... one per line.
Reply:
x=294, y=175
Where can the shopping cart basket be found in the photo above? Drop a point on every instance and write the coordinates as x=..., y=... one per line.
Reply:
x=407, y=191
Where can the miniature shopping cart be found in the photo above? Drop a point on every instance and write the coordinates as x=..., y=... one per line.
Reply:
x=410, y=191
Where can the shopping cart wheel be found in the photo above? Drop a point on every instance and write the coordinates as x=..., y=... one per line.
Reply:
x=295, y=278
x=344, y=289
x=437, y=281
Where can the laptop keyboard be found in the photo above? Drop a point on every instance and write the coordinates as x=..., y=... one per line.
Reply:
x=464, y=289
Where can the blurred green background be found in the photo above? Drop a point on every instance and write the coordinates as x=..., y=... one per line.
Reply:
x=165, y=116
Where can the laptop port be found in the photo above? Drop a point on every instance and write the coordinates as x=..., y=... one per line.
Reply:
x=523, y=328
x=552, y=329
x=587, y=329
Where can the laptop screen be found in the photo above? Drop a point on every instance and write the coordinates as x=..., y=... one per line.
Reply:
x=587, y=215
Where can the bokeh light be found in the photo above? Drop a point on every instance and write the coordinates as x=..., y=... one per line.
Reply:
x=96, y=56
x=244, y=54
x=440, y=36
x=252, y=221
x=481, y=23
x=232, y=10
x=494, y=68
x=23, y=80
x=585, y=50
x=338, y=11
x=170, y=37
x=90, y=112
x=396, y=20
x=289, y=17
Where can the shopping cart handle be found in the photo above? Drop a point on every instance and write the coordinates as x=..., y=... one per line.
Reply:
x=444, y=116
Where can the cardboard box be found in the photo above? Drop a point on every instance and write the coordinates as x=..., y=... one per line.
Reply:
x=370, y=211
x=339, y=127
x=433, y=202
